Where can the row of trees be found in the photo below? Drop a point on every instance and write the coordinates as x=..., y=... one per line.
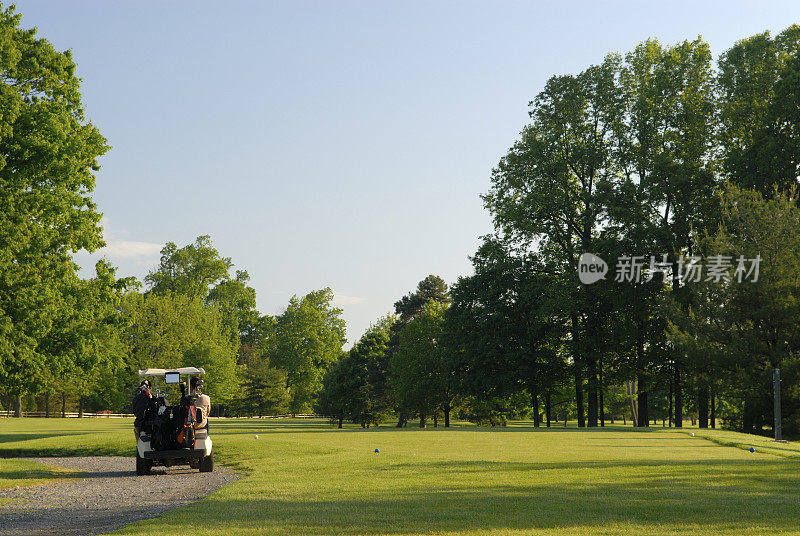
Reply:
x=656, y=154
x=193, y=313
x=85, y=339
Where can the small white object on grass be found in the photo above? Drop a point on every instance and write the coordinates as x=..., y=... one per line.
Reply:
x=256, y=436
x=690, y=433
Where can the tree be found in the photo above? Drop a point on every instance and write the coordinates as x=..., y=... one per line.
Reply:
x=171, y=330
x=309, y=336
x=237, y=302
x=357, y=386
x=191, y=270
x=420, y=367
x=432, y=288
x=748, y=325
x=338, y=386
x=503, y=339
x=754, y=85
x=48, y=156
x=265, y=391
x=548, y=193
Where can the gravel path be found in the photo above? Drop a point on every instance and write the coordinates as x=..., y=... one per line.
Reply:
x=106, y=496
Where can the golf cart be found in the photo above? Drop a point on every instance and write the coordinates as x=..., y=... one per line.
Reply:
x=168, y=435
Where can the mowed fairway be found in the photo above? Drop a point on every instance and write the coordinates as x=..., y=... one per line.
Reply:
x=305, y=477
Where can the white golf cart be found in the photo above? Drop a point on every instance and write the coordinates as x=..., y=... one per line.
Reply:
x=156, y=444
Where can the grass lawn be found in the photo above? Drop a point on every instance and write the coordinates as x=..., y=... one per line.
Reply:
x=305, y=477
x=27, y=473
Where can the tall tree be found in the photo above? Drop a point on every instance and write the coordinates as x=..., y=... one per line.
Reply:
x=666, y=159
x=548, y=193
x=191, y=270
x=357, y=388
x=755, y=86
x=309, y=337
x=420, y=367
x=48, y=156
x=504, y=338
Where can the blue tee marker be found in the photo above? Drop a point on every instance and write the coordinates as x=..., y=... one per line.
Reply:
x=377, y=451
x=752, y=449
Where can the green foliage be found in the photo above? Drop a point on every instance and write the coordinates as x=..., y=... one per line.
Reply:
x=171, y=330
x=357, y=386
x=309, y=336
x=191, y=270
x=48, y=156
x=420, y=367
x=755, y=84
x=265, y=391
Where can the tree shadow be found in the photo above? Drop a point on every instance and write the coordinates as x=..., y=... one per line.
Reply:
x=735, y=495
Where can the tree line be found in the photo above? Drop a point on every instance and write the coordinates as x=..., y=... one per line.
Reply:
x=661, y=154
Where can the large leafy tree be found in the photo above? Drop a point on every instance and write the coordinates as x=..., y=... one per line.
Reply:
x=432, y=288
x=191, y=270
x=549, y=193
x=48, y=156
x=357, y=386
x=668, y=177
x=171, y=330
x=421, y=368
x=309, y=336
x=755, y=85
x=503, y=338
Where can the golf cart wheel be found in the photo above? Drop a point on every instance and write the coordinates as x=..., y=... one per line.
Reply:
x=143, y=465
x=207, y=463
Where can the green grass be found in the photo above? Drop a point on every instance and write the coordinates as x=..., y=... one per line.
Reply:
x=27, y=473
x=305, y=477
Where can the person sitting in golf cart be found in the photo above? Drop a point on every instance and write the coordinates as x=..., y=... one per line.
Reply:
x=201, y=401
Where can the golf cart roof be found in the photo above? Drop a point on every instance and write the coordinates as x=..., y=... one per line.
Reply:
x=183, y=371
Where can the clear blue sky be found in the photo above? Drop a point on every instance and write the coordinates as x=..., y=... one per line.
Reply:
x=340, y=144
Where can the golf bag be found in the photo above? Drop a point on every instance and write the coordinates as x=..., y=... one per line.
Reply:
x=163, y=429
x=186, y=435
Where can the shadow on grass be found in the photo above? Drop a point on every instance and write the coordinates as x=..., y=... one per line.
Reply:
x=476, y=466
x=322, y=425
x=733, y=496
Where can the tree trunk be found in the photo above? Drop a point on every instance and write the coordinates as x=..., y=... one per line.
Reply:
x=678, y=398
x=341, y=420
x=47, y=405
x=642, y=417
x=748, y=419
x=447, y=415
x=713, y=410
x=579, y=397
x=435, y=420
x=631, y=388
x=669, y=416
x=402, y=420
x=536, y=418
x=63, y=405
x=592, y=391
x=600, y=391
x=18, y=406
x=80, y=407
x=702, y=406
x=576, y=358
x=422, y=421
x=547, y=407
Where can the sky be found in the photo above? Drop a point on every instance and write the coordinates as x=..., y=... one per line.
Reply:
x=342, y=144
